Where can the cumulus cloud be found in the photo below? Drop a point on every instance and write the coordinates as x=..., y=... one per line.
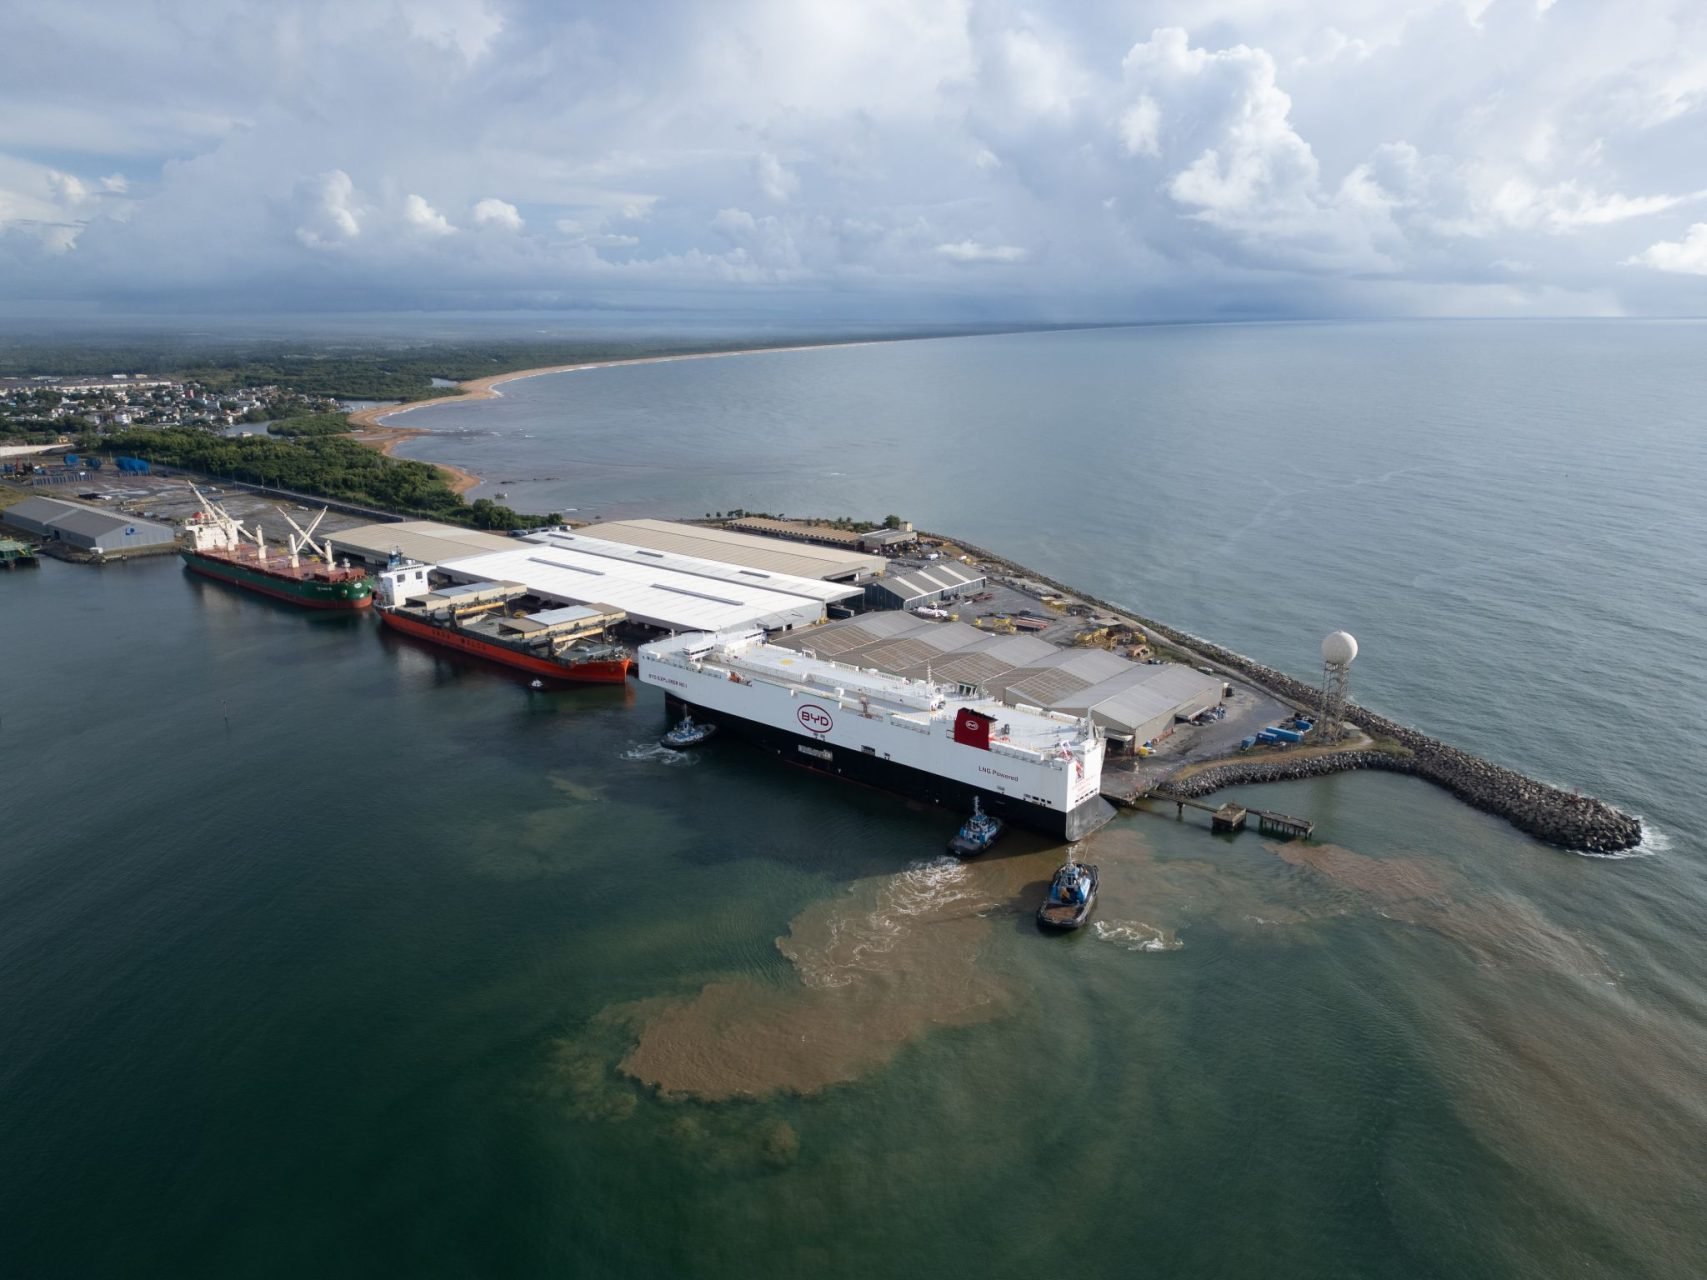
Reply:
x=492, y=212
x=328, y=212
x=1109, y=159
x=422, y=217
x=66, y=188
x=1687, y=256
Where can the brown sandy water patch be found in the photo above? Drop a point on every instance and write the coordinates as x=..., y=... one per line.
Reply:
x=897, y=956
x=1494, y=928
x=874, y=968
x=580, y=1076
x=1599, y=1104
x=555, y=841
x=580, y=792
x=1145, y=902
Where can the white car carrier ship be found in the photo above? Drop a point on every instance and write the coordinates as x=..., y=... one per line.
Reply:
x=946, y=744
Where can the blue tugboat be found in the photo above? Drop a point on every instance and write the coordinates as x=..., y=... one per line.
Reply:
x=1072, y=894
x=977, y=833
x=688, y=733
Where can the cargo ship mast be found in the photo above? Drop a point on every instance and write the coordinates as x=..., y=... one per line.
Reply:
x=215, y=529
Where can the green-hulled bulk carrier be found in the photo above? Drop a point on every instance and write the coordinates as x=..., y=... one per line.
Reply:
x=219, y=547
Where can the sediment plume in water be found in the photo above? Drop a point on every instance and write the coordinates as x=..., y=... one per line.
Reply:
x=875, y=968
x=1496, y=930
x=898, y=956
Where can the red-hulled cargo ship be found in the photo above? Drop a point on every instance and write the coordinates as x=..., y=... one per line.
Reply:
x=485, y=620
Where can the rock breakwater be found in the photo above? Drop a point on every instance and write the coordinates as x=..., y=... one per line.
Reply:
x=1564, y=818
x=1547, y=813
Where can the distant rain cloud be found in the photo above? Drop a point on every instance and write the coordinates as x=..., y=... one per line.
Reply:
x=1104, y=160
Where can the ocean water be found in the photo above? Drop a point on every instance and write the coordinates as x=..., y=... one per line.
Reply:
x=322, y=952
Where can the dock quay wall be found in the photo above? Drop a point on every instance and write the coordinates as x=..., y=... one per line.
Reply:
x=1548, y=813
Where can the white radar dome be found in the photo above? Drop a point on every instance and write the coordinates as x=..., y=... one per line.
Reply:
x=1339, y=648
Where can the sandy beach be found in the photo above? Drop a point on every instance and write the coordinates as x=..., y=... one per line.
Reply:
x=386, y=440
x=375, y=432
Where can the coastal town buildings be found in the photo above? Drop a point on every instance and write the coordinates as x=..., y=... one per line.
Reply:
x=115, y=401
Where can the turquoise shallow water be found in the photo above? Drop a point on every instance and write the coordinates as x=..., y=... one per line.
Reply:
x=321, y=953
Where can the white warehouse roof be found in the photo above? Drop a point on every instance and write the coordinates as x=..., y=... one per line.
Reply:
x=656, y=588
x=736, y=571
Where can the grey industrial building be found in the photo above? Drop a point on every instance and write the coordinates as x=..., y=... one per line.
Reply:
x=87, y=528
x=428, y=541
x=937, y=581
x=1133, y=702
x=751, y=551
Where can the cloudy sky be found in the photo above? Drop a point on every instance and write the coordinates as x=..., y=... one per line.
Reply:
x=951, y=158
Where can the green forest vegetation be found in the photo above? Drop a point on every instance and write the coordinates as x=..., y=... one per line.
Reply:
x=30, y=431
x=301, y=426
x=329, y=466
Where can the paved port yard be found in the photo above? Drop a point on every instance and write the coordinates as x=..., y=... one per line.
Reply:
x=167, y=498
x=1015, y=594
x=1029, y=669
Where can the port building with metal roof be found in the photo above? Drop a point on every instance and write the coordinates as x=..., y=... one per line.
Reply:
x=660, y=589
x=798, y=531
x=428, y=541
x=88, y=528
x=1133, y=702
x=805, y=560
x=936, y=581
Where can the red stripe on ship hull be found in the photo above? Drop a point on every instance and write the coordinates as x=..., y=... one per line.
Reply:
x=598, y=672
x=306, y=602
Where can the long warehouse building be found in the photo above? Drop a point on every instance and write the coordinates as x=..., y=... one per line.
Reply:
x=657, y=589
x=805, y=560
x=89, y=528
x=428, y=541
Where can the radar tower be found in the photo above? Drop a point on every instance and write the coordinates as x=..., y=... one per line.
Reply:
x=1339, y=650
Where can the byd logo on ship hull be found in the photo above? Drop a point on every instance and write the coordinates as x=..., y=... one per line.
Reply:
x=814, y=719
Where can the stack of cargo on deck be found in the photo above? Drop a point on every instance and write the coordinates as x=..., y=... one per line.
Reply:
x=571, y=643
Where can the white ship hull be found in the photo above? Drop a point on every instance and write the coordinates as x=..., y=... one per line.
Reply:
x=1037, y=770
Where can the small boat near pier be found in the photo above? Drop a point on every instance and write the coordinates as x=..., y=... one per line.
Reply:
x=977, y=833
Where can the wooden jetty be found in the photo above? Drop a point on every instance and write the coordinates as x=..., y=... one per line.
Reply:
x=1230, y=817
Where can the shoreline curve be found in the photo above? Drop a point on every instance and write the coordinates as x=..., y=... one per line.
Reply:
x=374, y=431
